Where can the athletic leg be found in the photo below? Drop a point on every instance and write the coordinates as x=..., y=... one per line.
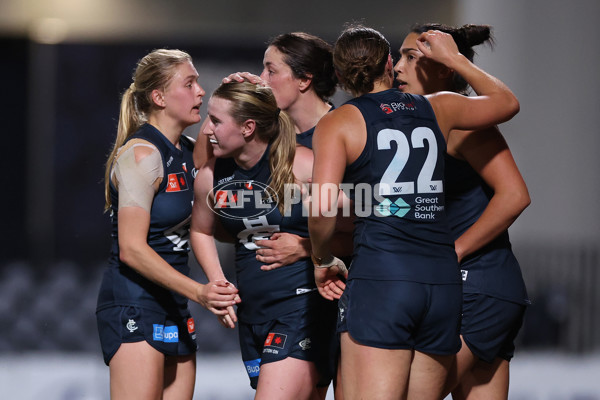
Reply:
x=322, y=392
x=484, y=382
x=428, y=374
x=462, y=363
x=136, y=372
x=373, y=373
x=180, y=377
x=338, y=390
x=289, y=378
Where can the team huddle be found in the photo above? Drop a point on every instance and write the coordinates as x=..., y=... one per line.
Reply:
x=371, y=242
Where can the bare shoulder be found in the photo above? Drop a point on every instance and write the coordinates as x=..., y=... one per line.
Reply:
x=347, y=114
x=482, y=149
x=338, y=124
x=303, y=154
x=441, y=100
x=303, y=164
x=465, y=141
x=445, y=106
x=343, y=129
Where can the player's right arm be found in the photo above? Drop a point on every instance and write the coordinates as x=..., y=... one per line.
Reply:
x=203, y=242
x=137, y=173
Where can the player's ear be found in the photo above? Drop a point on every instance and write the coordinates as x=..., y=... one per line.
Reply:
x=158, y=98
x=248, y=128
x=304, y=83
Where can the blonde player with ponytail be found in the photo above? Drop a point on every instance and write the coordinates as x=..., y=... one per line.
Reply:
x=146, y=331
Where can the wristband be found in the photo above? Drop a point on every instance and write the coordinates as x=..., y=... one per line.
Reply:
x=319, y=263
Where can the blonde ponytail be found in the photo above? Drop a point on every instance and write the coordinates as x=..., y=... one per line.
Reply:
x=153, y=71
x=281, y=158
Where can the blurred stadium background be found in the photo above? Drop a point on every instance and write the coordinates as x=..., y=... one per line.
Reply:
x=63, y=66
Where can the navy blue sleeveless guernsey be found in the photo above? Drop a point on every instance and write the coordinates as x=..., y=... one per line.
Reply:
x=170, y=217
x=248, y=212
x=305, y=138
x=493, y=270
x=401, y=231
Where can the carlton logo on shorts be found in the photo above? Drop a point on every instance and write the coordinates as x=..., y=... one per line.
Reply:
x=131, y=326
x=167, y=334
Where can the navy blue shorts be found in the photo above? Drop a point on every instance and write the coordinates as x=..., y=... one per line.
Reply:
x=307, y=334
x=171, y=335
x=490, y=326
x=402, y=315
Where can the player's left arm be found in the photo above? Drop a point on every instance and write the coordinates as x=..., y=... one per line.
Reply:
x=488, y=154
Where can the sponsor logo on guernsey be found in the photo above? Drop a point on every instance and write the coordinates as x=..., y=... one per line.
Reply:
x=386, y=108
x=464, y=274
x=275, y=340
x=131, y=326
x=252, y=367
x=167, y=334
x=305, y=344
x=391, y=107
x=176, y=182
x=169, y=161
x=224, y=180
x=398, y=208
x=184, y=167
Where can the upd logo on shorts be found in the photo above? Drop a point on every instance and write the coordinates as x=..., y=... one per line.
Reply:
x=167, y=334
x=253, y=367
x=240, y=199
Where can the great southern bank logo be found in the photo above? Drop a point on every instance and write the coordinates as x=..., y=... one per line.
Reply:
x=239, y=199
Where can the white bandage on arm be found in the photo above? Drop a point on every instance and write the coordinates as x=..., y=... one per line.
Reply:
x=137, y=181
